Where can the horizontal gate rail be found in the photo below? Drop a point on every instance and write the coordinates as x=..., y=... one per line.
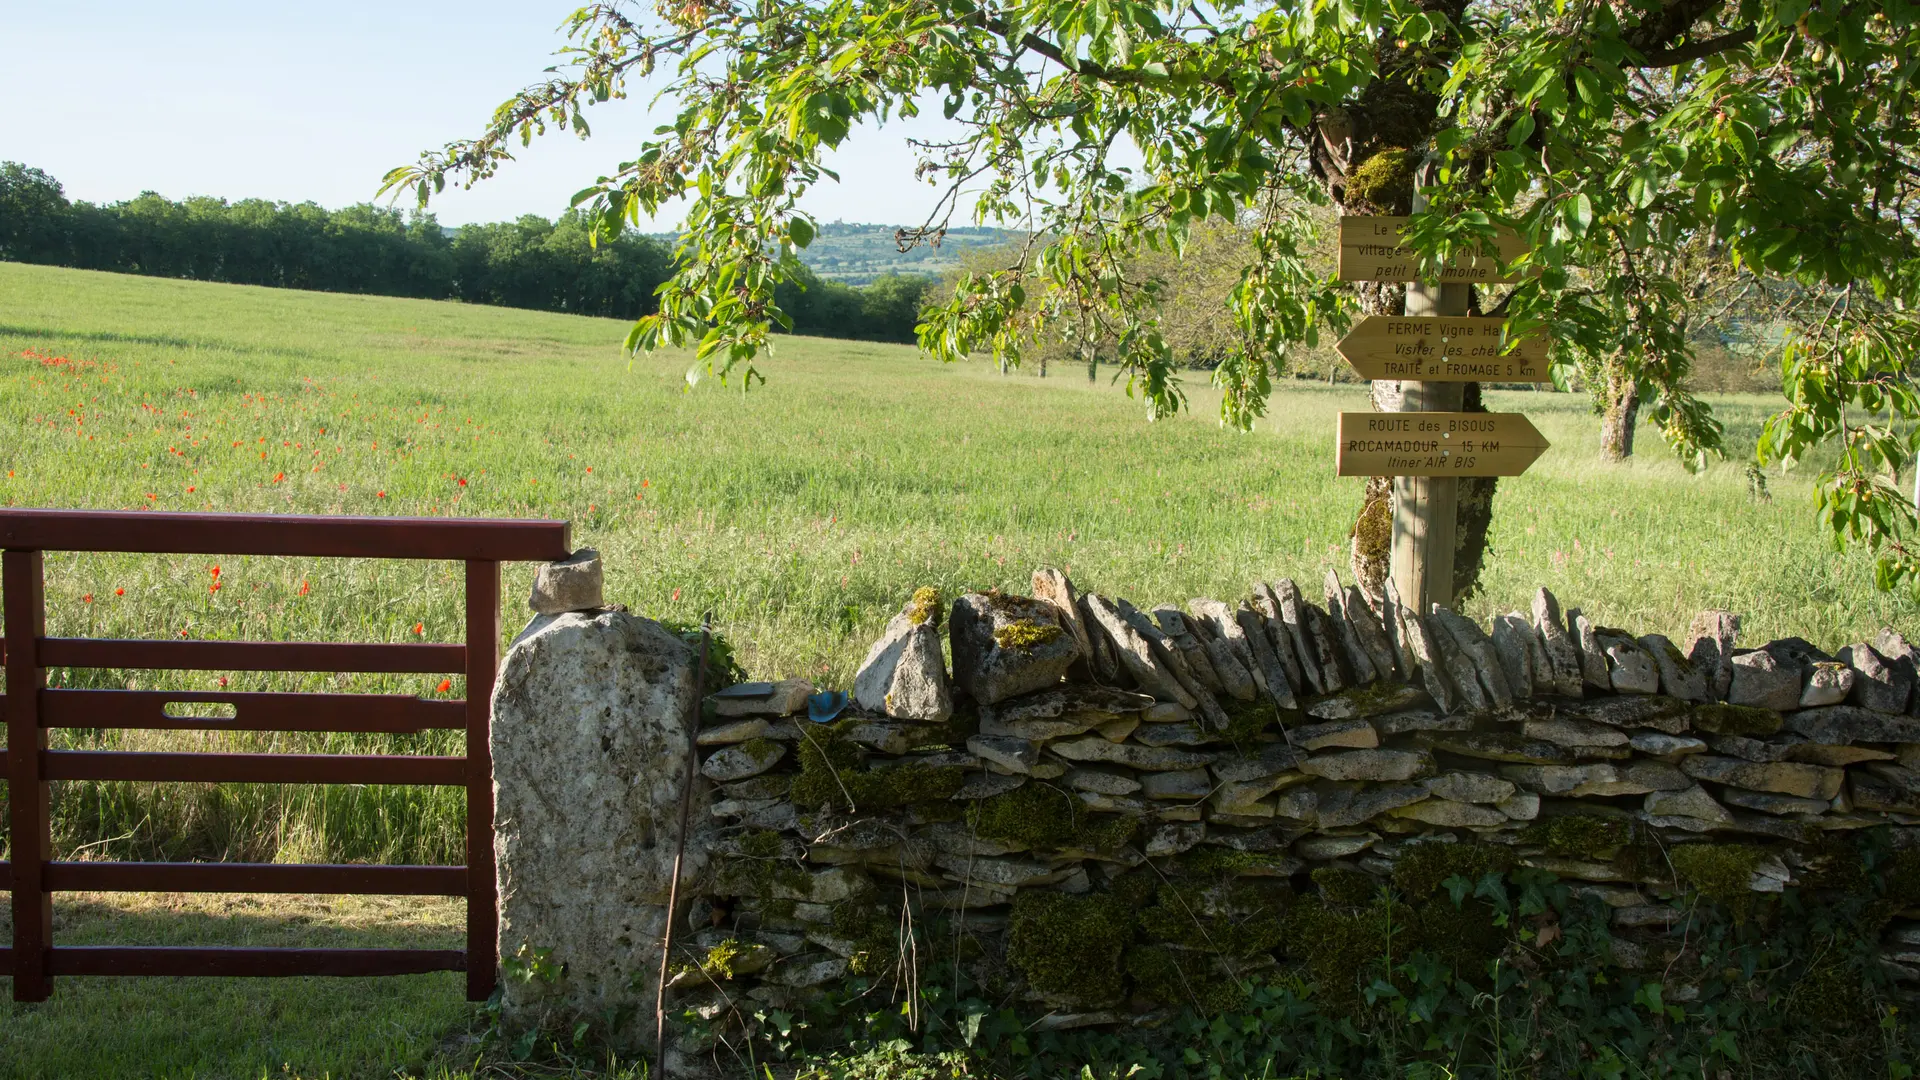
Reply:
x=142, y=532
x=252, y=656
x=147, y=709
x=252, y=768
x=31, y=709
x=229, y=960
x=341, y=880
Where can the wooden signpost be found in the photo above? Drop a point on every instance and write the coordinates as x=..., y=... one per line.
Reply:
x=1436, y=444
x=1432, y=350
x=1441, y=349
x=1370, y=250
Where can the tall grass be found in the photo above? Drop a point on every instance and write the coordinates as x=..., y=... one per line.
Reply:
x=803, y=513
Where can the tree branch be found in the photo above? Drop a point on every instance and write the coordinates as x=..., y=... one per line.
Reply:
x=1687, y=52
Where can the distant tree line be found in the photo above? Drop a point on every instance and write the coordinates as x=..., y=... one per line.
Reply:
x=528, y=263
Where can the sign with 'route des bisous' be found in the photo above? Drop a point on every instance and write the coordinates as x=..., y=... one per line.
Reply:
x=1436, y=444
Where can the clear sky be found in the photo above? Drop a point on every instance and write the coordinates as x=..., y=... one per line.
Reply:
x=300, y=101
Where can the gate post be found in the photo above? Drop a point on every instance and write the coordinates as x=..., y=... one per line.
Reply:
x=22, y=579
x=483, y=662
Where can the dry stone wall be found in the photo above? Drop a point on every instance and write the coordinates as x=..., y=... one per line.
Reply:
x=1116, y=810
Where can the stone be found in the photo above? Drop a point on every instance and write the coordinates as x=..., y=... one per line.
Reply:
x=1772, y=804
x=788, y=696
x=1343, y=807
x=1524, y=806
x=1291, y=606
x=1415, y=636
x=1001, y=873
x=1829, y=682
x=1886, y=788
x=1273, y=676
x=1105, y=663
x=1377, y=765
x=1401, y=723
x=1572, y=731
x=1240, y=801
x=1167, y=712
x=1513, y=642
x=1106, y=780
x=1133, y=755
x=904, y=675
x=1839, y=725
x=1136, y=654
x=1176, y=784
x=889, y=739
x=1594, y=676
x=1691, y=802
x=1636, y=778
x=1272, y=759
x=1879, y=684
x=1642, y=916
x=1267, y=604
x=1761, y=681
x=832, y=886
x=1459, y=671
x=1056, y=588
x=1325, y=848
x=1710, y=642
x=1559, y=779
x=1356, y=734
x=1173, y=735
x=1102, y=802
x=1813, y=753
x=572, y=584
x=769, y=786
x=589, y=739
x=1497, y=746
x=1347, y=639
x=1170, y=655
x=1004, y=646
x=1784, y=778
x=1471, y=787
x=1014, y=755
x=737, y=732
x=1629, y=666
x=1659, y=744
x=1327, y=652
x=1678, y=677
x=1478, y=651
x=1448, y=814
x=1563, y=656
x=743, y=760
x=987, y=785
x=1119, y=730
x=1662, y=714
x=804, y=974
x=1366, y=702
x=1199, y=666
x=1372, y=634
x=1265, y=839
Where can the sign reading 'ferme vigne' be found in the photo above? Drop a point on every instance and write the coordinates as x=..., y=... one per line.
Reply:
x=1370, y=250
x=1436, y=444
x=1442, y=348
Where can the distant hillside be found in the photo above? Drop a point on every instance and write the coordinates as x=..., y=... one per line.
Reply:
x=854, y=253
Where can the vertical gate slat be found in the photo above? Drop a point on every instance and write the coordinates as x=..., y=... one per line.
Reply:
x=483, y=658
x=32, y=842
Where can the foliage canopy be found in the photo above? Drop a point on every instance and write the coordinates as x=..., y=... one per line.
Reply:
x=1659, y=155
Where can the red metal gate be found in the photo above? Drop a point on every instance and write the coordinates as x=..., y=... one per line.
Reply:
x=31, y=709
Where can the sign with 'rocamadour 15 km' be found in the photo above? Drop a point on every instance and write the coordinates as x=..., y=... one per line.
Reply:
x=1436, y=444
x=1370, y=250
x=1442, y=348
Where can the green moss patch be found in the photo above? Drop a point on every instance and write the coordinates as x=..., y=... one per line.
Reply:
x=924, y=607
x=833, y=772
x=1422, y=869
x=1718, y=871
x=1070, y=946
x=1723, y=719
x=1025, y=634
x=1579, y=836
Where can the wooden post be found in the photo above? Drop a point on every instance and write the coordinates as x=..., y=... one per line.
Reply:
x=483, y=660
x=22, y=581
x=1425, y=508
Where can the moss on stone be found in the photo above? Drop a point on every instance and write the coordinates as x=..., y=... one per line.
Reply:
x=1070, y=946
x=1031, y=816
x=1384, y=180
x=1421, y=870
x=721, y=958
x=1720, y=872
x=1343, y=886
x=1237, y=920
x=1025, y=634
x=833, y=772
x=1372, y=533
x=924, y=607
x=1166, y=976
x=1247, y=720
x=1341, y=947
x=1723, y=719
x=1578, y=836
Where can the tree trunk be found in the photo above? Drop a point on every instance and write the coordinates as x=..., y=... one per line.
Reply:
x=1473, y=515
x=1618, y=415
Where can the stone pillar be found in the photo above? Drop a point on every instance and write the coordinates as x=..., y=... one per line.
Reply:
x=589, y=755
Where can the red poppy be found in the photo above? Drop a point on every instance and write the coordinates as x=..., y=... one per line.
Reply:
x=279, y=476
x=420, y=628
x=119, y=592
x=303, y=586
x=445, y=685
x=87, y=599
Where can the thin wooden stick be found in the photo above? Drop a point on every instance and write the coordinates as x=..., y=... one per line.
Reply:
x=680, y=850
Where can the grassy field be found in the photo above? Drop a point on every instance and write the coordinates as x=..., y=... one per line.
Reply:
x=803, y=513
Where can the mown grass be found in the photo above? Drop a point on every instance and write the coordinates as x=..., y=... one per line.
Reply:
x=803, y=514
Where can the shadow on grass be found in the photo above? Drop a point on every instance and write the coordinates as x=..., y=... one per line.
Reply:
x=219, y=1028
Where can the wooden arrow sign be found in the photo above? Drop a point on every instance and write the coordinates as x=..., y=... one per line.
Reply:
x=1441, y=348
x=1436, y=444
x=1370, y=250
